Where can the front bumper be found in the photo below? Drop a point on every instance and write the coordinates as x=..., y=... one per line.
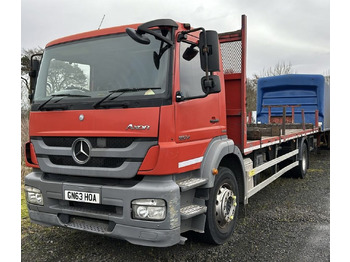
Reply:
x=132, y=234
x=113, y=217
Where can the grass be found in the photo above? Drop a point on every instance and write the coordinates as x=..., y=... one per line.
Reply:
x=24, y=210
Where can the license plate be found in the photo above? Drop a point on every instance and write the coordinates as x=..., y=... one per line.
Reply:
x=79, y=196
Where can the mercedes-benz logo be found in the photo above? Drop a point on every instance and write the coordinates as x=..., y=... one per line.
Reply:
x=81, y=151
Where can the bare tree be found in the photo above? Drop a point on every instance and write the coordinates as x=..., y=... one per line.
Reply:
x=62, y=75
x=25, y=58
x=25, y=68
x=281, y=68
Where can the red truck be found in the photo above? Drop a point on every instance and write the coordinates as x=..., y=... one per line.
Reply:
x=140, y=133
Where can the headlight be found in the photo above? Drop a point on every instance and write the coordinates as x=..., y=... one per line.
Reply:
x=34, y=195
x=149, y=209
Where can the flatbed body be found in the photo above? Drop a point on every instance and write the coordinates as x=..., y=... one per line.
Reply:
x=266, y=141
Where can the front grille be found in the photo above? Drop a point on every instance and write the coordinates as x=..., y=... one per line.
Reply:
x=96, y=142
x=108, y=157
x=93, y=162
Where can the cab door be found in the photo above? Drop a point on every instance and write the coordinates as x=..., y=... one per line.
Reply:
x=198, y=116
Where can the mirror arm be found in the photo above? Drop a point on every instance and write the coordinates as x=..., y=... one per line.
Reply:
x=157, y=36
x=206, y=53
x=145, y=28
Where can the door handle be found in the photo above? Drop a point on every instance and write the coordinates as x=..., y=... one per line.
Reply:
x=214, y=120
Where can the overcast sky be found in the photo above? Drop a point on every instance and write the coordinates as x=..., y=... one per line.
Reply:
x=295, y=31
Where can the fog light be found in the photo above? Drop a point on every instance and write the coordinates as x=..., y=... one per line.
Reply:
x=149, y=209
x=34, y=195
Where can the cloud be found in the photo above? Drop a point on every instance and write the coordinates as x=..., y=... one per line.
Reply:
x=277, y=30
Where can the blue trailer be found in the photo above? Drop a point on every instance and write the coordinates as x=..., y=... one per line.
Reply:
x=297, y=93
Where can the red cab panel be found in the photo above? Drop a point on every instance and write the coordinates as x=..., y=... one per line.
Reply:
x=131, y=122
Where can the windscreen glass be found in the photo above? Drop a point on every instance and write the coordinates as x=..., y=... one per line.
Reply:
x=91, y=69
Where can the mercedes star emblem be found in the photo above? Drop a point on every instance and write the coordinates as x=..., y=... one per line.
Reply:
x=81, y=151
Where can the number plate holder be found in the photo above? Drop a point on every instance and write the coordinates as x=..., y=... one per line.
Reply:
x=80, y=196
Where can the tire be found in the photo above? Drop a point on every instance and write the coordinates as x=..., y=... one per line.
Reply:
x=301, y=169
x=222, y=208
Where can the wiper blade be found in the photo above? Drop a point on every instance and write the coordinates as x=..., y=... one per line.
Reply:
x=41, y=106
x=71, y=95
x=59, y=95
x=122, y=91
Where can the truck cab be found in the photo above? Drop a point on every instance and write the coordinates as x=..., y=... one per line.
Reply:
x=118, y=132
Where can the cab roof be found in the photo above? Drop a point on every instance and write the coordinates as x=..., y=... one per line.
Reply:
x=106, y=31
x=90, y=34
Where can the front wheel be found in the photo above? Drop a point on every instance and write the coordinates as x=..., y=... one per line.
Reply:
x=222, y=207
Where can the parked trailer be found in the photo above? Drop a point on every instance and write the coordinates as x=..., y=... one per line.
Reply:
x=148, y=137
x=304, y=97
x=300, y=93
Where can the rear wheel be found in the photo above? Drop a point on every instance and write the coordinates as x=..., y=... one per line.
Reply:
x=222, y=207
x=303, y=162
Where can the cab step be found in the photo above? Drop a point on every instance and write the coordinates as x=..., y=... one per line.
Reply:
x=190, y=183
x=192, y=211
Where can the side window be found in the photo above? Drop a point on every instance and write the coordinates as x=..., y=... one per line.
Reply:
x=190, y=74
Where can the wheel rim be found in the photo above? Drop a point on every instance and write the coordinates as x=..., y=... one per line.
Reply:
x=225, y=206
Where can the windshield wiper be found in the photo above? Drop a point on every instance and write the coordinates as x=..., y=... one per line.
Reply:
x=122, y=91
x=59, y=95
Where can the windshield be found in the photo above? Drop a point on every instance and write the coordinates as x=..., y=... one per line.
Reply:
x=89, y=70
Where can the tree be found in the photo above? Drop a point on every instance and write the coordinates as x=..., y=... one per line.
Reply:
x=63, y=75
x=281, y=68
x=25, y=68
x=25, y=58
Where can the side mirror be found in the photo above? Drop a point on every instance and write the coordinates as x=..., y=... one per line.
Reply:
x=33, y=74
x=35, y=65
x=190, y=53
x=211, y=84
x=209, y=50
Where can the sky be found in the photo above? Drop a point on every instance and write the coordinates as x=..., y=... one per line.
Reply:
x=293, y=31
